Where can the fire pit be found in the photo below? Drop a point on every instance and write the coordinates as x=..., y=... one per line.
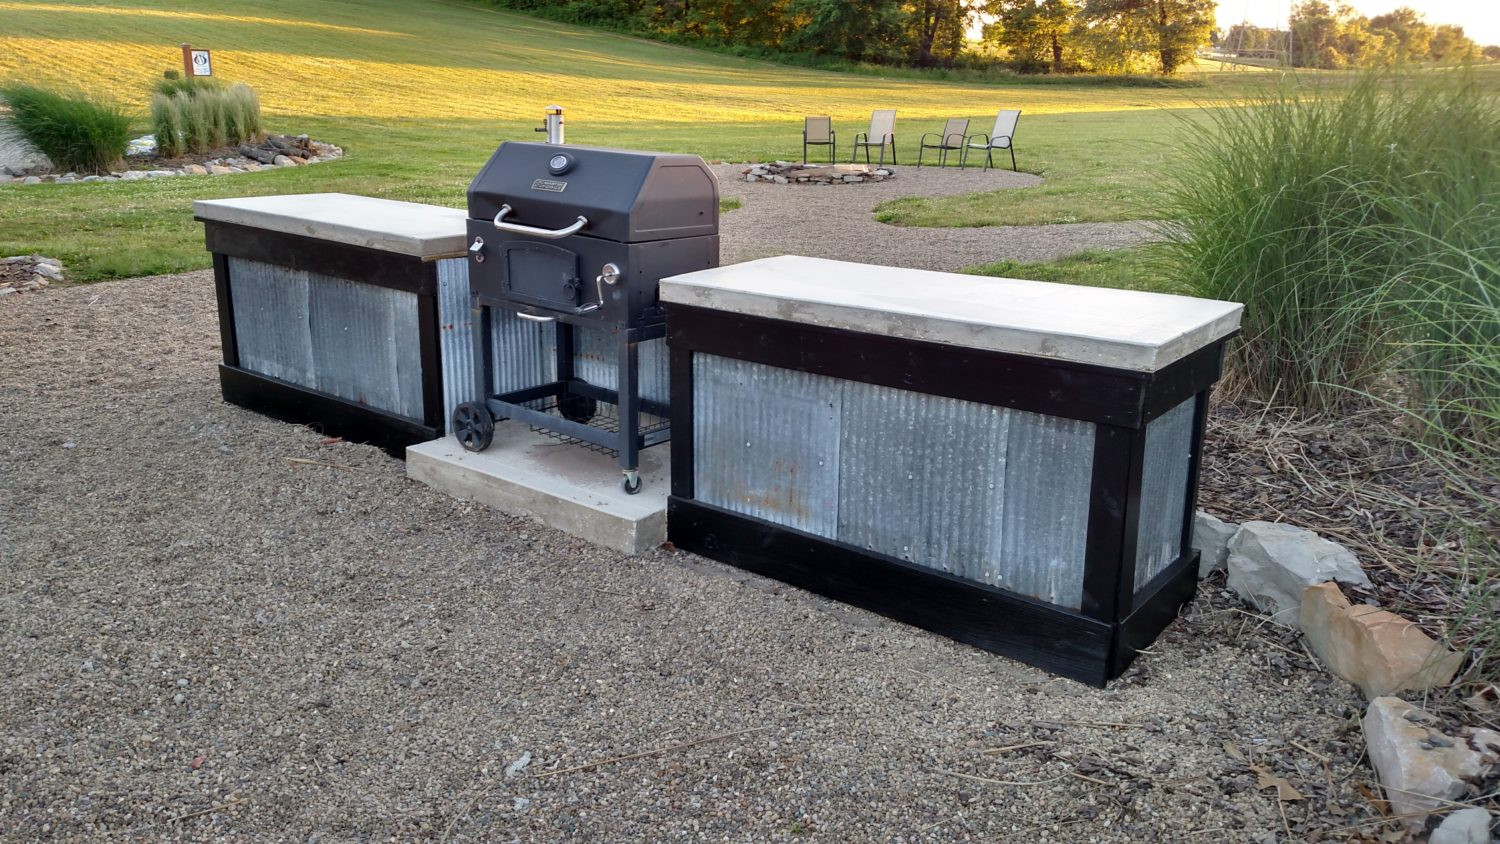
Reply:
x=788, y=172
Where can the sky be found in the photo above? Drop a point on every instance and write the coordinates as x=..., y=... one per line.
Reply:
x=1479, y=18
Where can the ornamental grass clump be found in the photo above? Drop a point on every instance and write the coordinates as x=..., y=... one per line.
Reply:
x=1361, y=228
x=77, y=134
x=195, y=117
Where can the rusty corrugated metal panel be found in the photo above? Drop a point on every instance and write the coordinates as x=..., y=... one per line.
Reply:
x=356, y=341
x=766, y=442
x=1164, y=483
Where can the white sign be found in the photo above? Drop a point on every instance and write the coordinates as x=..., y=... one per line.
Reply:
x=202, y=65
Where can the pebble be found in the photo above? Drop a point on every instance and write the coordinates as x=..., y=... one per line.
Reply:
x=179, y=698
x=182, y=683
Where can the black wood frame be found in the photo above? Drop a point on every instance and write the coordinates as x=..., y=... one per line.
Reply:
x=1115, y=620
x=330, y=414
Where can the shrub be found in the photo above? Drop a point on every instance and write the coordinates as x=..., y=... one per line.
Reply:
x=76, y=133
x=191, y=116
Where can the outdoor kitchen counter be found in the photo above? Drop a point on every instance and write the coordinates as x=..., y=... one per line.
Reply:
x=1117, y=328
x=329, y=312
x=427, y=232
x=1010, y=463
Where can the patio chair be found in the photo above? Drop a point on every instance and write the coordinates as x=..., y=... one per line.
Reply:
x=882, y=132
x=1001, y=137
x=955, y=132
x=818, y=132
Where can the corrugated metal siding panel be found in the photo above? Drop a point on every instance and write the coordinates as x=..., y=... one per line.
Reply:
x=596, y=360
x=766, y=442
x=922, y=479
x=988, y=494
x=1164, y=483
x=523, y=350
x=271, y=324
x=1044, y=525
x=355, y=341
x=455, y=334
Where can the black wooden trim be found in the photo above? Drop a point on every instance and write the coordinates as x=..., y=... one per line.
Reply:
x=1156, y=607
x=680, y=373
x=1183, y=379
x=324, y=257
x=327, y=414
x=1058, y=388
x=1048, y=637
x=226, y=311
x=431, y=356
x=1109, y=492
x=1130, y=544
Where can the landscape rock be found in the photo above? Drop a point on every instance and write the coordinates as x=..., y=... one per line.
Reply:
x=195, y=170
x=133, y=175
x=1211, y=537
x=1420, y=768
x=51, y=271
x=1379, y=651
x=282, y=161
x=219, y=169
x=1466, y=826
x=1270, y=564
x=31, y=180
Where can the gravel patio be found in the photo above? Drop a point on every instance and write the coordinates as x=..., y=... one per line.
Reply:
x=217, y=626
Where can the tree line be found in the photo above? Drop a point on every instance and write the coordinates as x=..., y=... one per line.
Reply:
x=1026, y=36
x=1325, y=36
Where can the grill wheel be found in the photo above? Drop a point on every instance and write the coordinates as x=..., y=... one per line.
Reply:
x=473, y=426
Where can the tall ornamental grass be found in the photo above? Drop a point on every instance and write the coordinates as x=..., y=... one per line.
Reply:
x=1361, y=228
x=76, y=133
x=194, y=117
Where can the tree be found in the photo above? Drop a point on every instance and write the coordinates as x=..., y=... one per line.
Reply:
x=856, y=30
x=1450, y=45
x=1406, y=31
x=935, y=30
x=1033, y=31
x=1171, y=29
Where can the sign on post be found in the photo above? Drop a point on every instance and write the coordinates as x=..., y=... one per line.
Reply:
x=196, y=62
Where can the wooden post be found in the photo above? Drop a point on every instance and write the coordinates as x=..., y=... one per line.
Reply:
x=187, y=60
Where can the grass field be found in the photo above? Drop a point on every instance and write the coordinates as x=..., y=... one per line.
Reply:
x=420, y=93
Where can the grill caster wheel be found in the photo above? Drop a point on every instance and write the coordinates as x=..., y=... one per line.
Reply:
x=473, y=426
x=632, y=483
x=578, y=408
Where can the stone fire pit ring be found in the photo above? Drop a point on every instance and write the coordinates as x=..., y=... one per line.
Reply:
x=790, y=172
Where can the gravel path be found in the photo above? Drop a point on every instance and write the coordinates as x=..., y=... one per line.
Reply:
x=216, y=626
x=835, y=221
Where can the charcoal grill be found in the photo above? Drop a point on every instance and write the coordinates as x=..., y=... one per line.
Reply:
x=580, y=237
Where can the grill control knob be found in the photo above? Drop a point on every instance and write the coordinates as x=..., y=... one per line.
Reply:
x=610, y=274
x=477, y=250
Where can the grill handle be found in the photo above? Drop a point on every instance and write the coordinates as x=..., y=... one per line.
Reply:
x=550, y=234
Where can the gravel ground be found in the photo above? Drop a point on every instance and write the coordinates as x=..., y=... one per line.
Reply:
x=835, y=221
x=216, y=626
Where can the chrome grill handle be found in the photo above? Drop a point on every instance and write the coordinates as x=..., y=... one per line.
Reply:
x=550, y=234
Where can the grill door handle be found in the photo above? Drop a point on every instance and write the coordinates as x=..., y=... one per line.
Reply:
x=550, y=234
x=535, y=318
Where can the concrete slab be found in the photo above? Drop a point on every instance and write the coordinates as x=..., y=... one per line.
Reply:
x=428, y=232
x=1124, y=329
x=562, y=485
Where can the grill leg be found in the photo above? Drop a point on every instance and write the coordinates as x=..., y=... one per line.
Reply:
x=484, y=345
x=630, y=409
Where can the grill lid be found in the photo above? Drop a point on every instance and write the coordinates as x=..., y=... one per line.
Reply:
x=627, y=196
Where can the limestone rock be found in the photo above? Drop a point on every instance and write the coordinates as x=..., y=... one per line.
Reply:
x=1466, y=826
x=1211, y=537
x=51, y=271
x=133, y=175
x=195, y=170
x=219, y=169
x=1379, y=651
x=1270, y=564
x=31, y=180
x=1418, y=766
x=282, y=161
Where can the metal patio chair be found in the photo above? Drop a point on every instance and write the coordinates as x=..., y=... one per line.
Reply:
x=955, y=132
x=1001, y=137
x=882, y=132
x=818, y=132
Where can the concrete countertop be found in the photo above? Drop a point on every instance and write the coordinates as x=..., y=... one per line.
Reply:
x=406, y=228
x=1123, y=329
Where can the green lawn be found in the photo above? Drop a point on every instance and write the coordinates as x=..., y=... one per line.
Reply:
x=420, y=93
